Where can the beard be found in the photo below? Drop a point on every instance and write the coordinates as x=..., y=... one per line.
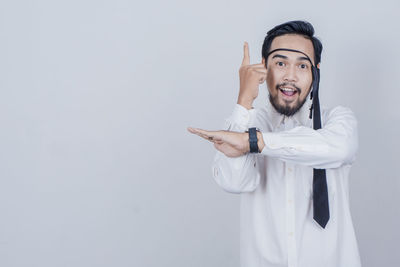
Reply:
x=287, y=110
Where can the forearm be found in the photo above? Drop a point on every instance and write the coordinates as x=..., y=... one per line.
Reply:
x=316, y=148
x=245, y=102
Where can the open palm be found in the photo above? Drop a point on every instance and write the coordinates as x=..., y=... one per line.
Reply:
x=232, y=144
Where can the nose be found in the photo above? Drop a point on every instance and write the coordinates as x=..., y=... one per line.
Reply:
x=290, y=74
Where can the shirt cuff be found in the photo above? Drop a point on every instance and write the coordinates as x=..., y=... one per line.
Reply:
x=272, y=143
x=242, y=116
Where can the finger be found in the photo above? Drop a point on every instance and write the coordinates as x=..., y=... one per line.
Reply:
x=246, y=56
x=196, y=130
x=192, y=130
x=263, y=70
x=261, y=73
x=217, y=146
x=203, y=134
x=257, y=65
x=211, y=139
x=263, y=78
x=208, y=135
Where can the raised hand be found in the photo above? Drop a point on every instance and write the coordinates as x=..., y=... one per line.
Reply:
x=251, y=76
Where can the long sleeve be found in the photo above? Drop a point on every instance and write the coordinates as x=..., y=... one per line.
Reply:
x=237, y=174
x=334, y=145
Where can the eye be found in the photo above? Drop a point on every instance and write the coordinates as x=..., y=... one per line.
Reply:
x=303, y=66
x=280, y=63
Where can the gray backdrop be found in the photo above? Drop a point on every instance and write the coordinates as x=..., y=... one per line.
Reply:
x=96, y=165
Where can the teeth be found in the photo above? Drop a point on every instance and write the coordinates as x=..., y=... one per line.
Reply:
x=288, y=89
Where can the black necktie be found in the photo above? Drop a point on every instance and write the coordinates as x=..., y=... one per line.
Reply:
x=320, y=188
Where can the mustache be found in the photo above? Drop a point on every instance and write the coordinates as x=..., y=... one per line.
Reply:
x=286, y=84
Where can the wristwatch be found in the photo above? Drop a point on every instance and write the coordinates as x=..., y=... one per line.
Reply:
x=253, y=140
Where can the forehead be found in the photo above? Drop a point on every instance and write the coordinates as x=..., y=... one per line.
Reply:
x=293, y=41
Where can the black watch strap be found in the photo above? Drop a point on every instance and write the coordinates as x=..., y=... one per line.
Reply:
x=253, y=140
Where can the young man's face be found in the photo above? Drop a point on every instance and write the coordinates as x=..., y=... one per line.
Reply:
x=289, y=75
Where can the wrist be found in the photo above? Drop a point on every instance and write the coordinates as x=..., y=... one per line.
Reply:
x=260, y=142
x=248, y=104
x=246, y=142
x=250, y=140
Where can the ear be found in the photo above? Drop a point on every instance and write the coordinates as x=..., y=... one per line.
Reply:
x=263, y=62
x=318, y=65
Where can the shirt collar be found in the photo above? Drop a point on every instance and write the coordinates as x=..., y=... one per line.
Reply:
x=301, y=117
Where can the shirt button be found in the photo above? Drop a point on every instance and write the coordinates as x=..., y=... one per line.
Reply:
x=291, y=234
x=215, y=171
x=289, y=169
x=290, y=201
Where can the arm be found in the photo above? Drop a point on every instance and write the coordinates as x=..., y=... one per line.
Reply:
x=237, y=174
x=240, y=174
x=332, y=146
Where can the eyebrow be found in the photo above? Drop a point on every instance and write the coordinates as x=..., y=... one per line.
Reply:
x=280, y=56
x=285, y=57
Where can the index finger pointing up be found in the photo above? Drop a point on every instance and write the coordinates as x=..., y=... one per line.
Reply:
x=246, y=57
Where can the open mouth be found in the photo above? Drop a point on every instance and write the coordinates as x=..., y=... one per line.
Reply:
x=288, y=91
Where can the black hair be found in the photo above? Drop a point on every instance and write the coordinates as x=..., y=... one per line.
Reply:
x=303, y=28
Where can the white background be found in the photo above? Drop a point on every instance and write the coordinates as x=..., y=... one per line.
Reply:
x=96, y=165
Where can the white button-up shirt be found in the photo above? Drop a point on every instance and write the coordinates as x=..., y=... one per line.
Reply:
x=276, y=213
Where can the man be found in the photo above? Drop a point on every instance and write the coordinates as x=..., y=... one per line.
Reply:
x=293, y=171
